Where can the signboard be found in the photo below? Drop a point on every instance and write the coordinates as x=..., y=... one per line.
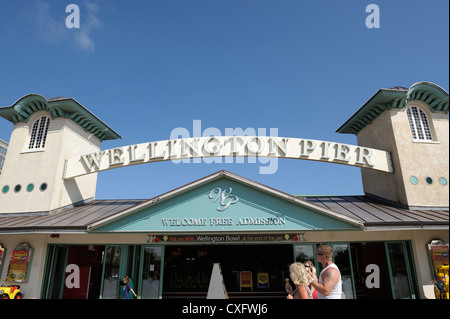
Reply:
x=439, y=255
x=2, y=251
x=18, y=265
x=227, y=206
x=217, y=288
x=215, y=221
x=2, y=254
x=245, y=279
x=263, y=280
x=228, y=238
x=228, y=146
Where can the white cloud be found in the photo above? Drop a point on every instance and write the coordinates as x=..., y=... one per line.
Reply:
x=89, y=22
x=52, y=26
x=48, y=27
x=84, y=41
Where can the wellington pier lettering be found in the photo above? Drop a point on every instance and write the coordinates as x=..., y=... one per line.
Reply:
x=229, y=146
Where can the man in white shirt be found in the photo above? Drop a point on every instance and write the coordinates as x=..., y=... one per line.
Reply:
x=329, y=285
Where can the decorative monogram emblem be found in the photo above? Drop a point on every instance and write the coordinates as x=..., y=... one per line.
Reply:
x=226, y=199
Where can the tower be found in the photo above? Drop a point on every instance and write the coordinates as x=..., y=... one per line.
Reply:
x=413, y=125
x=45, y=134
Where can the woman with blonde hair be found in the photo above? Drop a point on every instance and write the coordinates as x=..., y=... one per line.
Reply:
x=312, y=271
x=298, y=275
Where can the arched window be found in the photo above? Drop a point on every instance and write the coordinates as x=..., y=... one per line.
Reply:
x=420, y=128
x=39, y=133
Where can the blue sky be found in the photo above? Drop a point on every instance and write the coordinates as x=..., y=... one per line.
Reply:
x=148, y=67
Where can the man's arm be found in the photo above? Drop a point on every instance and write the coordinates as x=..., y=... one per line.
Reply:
x=329, y=278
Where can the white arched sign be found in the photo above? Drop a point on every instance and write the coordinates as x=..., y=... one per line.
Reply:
x=229, y=146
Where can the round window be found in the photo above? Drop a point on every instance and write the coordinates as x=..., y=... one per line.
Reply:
x=443, y=181
x=30, y=188
x=5, y=189
x=17, y=188
x=429, y=180
x=43, y=187
x=414, y=180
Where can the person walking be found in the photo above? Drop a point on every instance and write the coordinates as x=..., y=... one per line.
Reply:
x=127, y=288
x=329, y=284
x=312, y=270
x=298, y=275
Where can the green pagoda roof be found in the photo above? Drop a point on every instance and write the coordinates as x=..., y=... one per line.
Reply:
x=396, y=98
x=59, y=107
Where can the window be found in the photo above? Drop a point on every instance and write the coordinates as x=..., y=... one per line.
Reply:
x=43, y=187
x=3, y=149
x=400, y=270
x=419, y=124
x=414, y=180
x=5, y=189
x=39, y=133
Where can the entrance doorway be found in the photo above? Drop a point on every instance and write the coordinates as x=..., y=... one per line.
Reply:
x=87, y=259
x=364, y=254
x=248, y=270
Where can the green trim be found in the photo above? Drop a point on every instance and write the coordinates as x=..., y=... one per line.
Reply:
x=408, y=270
x=431, y=94
x=410, y=273
x=47, y=265
x=63, y=280
x=69, y=108
x=396, y=98
x=122, y=265
x=389, y=265
x=141, y=269
x=50, y=273
x=123, y=268
x=161, y=274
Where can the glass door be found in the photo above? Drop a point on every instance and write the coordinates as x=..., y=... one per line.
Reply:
x=341, y=257
x=55, y=272
x=400, y=271
x=111, y=272
x=304, y=253
x=131, y=256
x=151, y=272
